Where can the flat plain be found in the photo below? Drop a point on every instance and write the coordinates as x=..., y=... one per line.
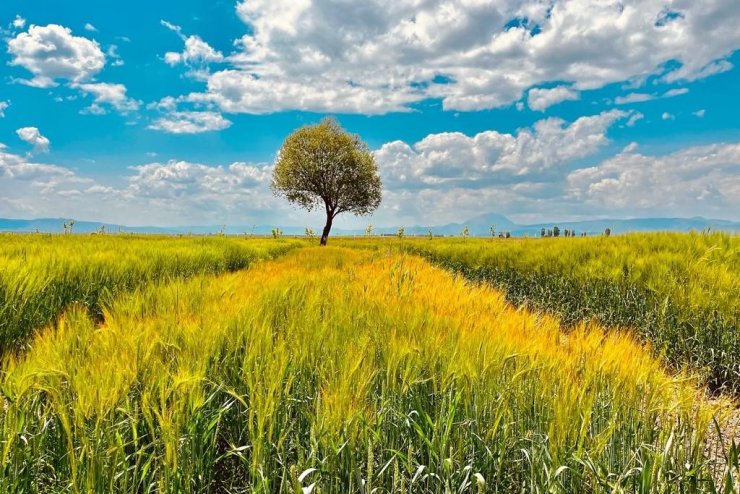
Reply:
x=166, y=364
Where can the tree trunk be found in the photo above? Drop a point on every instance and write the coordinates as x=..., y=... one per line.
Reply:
x=327, y=228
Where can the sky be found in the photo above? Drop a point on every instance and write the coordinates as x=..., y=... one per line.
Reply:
x=171, y=112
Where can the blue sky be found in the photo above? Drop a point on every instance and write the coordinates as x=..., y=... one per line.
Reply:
x=171, y=113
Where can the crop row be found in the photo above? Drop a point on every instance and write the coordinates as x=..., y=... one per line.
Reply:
x=41, y=275
x=678, y=292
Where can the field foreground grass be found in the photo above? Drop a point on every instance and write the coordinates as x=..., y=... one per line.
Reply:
x=340, y=370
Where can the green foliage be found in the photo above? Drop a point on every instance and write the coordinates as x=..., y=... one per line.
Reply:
x=324, y=166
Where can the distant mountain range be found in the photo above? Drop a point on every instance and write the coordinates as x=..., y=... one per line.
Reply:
x=478, y=226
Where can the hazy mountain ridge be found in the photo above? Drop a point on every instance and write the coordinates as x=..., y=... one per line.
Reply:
x=478, y=226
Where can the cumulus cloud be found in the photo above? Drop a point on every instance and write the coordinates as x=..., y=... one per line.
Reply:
x=32, y=136
x=51, y=53
x=668, y=116
x=380, y=56
x=3, y=106
x=182, y=192
x=197, y=54
x=701, y=180
x=699, y=113
x=108, y=94
x=171, y=193
x=178, y=179
x=542, y=99
x=26, y=185
x=696, y=180
x=168, y=103
x=19, y=22
x=454, y=159
x=16, y=167
x=91, y=28
x=190, y=122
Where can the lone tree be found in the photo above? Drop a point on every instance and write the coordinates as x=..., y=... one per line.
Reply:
x=324, y=165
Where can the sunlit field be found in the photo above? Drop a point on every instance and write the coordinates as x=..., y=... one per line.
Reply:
x=42, y=275
x=677, y=292
x=244, y=365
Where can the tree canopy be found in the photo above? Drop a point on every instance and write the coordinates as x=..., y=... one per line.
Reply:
x=325, y=166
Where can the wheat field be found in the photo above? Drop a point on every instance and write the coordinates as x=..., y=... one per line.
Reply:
x=41, y=275
x=677, y=292
x=348, y=370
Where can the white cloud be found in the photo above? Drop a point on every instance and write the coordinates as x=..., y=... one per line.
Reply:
x=171, y=27
x=699, y=113
x=190, y=122
x=675, y=92
x=239, y=92
x=701, y=180
x=32, y=136
x=196, y=55
x=630, y=147
x=176, y=192
x=640, y=97
x=196, y=52
x=112, y=53
x=716, y=67
x=697, y=180
x=634, y=118
x=182, y=178
x=91, y=28
x=454, y=159
x=108, y=94
x=181, y=192
x=633, y=98
x=668, y=116
x=52, y=52
x=16, y=167
x=19, y=22
x=3, y=106
x=168, y=103
x=380, y=56
x=541, y=99
x=29, y=189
